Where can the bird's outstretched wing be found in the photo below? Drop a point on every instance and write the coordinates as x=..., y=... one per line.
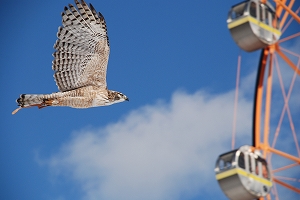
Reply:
x=82, y=48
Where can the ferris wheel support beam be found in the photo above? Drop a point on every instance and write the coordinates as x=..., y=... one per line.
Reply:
x=258, y=97
x=268, y=104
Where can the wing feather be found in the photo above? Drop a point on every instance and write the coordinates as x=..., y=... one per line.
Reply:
x=82, y=48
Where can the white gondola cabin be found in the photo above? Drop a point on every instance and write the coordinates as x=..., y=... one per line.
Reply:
x=243, y=174
x=253, y=25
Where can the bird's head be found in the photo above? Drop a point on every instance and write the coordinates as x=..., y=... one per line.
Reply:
x=118, y=97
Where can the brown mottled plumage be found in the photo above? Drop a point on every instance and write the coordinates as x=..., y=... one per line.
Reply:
x=80, y=63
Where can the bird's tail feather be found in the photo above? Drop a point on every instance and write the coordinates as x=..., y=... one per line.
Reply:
x=30, y=100
x=26, y=100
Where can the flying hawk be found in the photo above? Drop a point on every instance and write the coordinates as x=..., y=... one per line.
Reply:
x=80, y=63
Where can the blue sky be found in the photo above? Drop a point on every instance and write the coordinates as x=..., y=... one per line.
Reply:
x=177, y=64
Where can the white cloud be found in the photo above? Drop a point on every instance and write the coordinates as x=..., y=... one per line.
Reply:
x=161, y=151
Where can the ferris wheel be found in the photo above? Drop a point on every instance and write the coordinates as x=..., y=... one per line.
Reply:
x=270, y=167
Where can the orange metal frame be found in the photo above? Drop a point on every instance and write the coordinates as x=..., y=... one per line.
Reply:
x=267, y=60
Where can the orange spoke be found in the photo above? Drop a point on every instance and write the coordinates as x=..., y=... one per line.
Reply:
x=283, y=154
x=289, y=37
x=285, y=167
x=279, y=11
x=287, y=178
x=286, y=107
x=288, y=10
x=288, y=61
x=275, y=192
x=289, y=22
x=293, y=130
x=291, y=52
x=286, y=185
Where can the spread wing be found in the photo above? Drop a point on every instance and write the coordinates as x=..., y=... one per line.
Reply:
x=82, y=48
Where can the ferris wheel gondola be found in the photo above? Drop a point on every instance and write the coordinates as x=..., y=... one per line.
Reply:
x=253, y=25
x=243, y=174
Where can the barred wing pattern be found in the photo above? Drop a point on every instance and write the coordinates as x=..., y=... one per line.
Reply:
x=82, y=48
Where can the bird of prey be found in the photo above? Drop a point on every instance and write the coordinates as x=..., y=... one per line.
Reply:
x=80, y=63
